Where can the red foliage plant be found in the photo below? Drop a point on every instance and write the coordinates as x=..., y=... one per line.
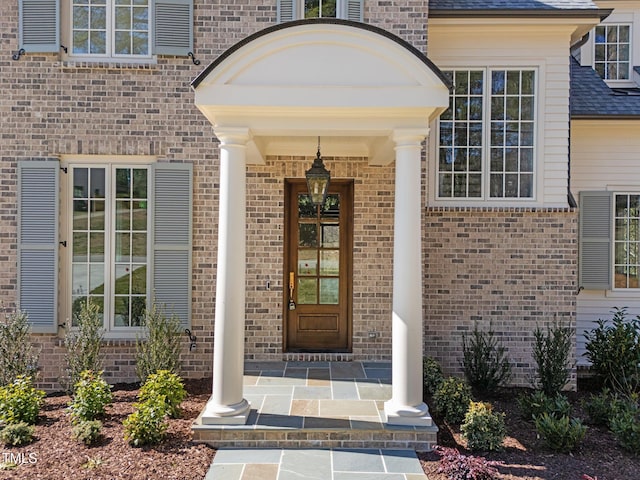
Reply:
x=457, y=466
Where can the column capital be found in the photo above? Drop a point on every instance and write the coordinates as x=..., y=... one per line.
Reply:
x=408, y=137
x=238, y=136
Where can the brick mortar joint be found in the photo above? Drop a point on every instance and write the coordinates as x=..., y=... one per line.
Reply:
x=502, y=209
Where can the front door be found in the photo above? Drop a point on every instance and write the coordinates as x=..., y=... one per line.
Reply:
x=318, y=264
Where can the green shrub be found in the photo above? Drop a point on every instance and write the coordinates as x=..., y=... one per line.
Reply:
x=87, y=431
x=457, y=466
x=147, y=425
x=613, y=348
x=20, y=401
x=17, y=434
x=625, y=424
x=599, y=407
x=452, y=399
x=551, y=353
x=483, y=429
x=537, y=403
x=485, y=362
x=92, y=395
x=560, y=434
x=432, y=374
x=160, y=350
x=83, y=345
x=167, y=385
x=17, y=355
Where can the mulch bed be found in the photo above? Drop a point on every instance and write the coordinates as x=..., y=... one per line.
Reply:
x=59, y=456
x=526, y=458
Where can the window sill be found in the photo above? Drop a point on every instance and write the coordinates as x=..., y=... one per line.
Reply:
x=632, y=294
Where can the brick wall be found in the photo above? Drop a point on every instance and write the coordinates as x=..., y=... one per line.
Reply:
x=509, y=268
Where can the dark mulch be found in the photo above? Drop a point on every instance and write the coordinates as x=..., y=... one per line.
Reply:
x=56, y=455
x=526, y=458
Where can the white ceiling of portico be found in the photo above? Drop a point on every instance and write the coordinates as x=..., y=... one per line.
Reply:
x=349, y=83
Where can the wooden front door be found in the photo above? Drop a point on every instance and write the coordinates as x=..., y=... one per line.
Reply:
x=318, y=265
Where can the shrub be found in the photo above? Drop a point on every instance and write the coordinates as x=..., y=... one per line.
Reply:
x=551, y=353
x=166, y=385
x=87, y=431
x=17, y=354
x=538, y=402
x=83, y=345
x=486, y=365
x=432, y=374
x=483, y=429
x=613, y=348
x=20, y=401
x=625, y=424
x=560, y=434
x=147, y=425
x=92, y=395
x=452, y=399
x=599, y=407
x=17, y=434
x=457, y=466
x=161, y=349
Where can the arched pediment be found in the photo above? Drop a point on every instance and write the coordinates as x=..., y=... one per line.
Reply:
x=321, y=77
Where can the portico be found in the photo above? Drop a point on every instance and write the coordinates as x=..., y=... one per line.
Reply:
x=366, y=93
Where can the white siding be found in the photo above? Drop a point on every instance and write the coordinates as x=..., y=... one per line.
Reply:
x=605, y=155
x=544, y=47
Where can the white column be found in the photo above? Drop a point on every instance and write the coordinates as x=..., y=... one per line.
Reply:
x=406, y=406
x=227, y=405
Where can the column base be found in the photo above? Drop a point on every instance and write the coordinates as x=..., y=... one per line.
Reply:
x=417, y=416
x=236, y=414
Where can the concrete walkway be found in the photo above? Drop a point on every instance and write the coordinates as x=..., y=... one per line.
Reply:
x=315, y=464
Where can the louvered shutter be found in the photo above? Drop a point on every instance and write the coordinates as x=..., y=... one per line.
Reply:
x=354, y=10
x=39, y=25
x=287, y=10
x=595, y=240
x=38, y=243
x=173, y=27
x=171, y=217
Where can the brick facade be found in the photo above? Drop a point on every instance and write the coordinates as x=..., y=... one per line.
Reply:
x=52, y=108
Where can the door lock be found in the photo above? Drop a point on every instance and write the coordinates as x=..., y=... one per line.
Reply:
x=292, y=304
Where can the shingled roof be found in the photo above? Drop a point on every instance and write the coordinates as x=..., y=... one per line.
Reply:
x=515, y=8
x=592, y=98
x=511, y=4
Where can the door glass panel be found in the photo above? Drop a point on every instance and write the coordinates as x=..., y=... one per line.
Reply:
x=305, y=207
x=307, y=291
x=329, y=291
x=307, y=262
x=331, y=207
x=329, y=262
x=330, y=235
x=307, y=236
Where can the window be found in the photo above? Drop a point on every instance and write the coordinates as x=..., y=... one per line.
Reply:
x=298, y=9
x=110, y=27
x=109, y=250
x=486, y=136
x=611, y=57
x=104, y=29
x=127, y=240
x=627, y=240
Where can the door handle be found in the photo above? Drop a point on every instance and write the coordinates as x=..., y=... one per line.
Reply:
x=292, y=280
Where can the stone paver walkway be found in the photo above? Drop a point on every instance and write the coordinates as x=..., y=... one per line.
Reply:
x=315, y=464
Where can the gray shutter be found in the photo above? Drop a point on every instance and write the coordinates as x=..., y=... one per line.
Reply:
x=171, y=217
x=38, y=243
x=40, y=25
x=173, y=27
x=354, y=10
x=287, y=10
x=595, y=253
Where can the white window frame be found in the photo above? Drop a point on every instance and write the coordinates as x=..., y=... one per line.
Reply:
x=617, y=80
x=67, y=31
x=485, y=197
x=614, y=242
x=341, y=9
x=110, y=165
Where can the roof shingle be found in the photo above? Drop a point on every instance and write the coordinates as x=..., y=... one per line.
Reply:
x=511, y=4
